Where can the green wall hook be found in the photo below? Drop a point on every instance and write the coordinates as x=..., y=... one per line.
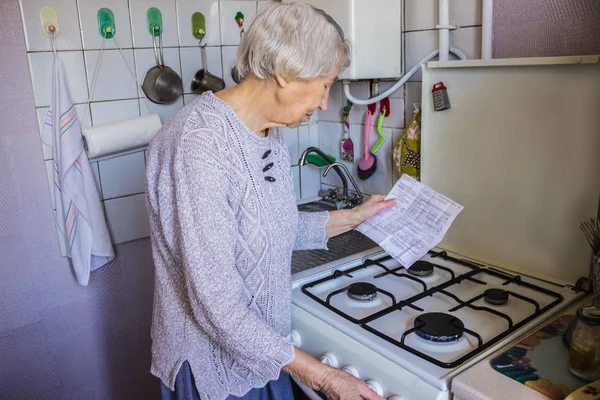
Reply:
x=154, y=18
x=106, y=23
x=198, y=25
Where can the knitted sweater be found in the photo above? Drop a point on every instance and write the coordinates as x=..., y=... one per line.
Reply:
x=222, y=240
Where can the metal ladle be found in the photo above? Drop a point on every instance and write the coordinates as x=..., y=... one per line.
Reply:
x=203, y=80
x=235, y=74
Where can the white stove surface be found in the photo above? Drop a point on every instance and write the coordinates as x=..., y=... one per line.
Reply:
x=395, y=323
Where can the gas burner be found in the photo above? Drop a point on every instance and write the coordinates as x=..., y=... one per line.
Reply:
x=439, y=327
x=497, y=297
x=362, y=291
x=421, y=268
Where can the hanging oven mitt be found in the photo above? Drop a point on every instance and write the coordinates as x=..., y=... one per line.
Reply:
x=407, y=151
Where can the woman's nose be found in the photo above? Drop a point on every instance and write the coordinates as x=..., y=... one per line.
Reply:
x=323, y=105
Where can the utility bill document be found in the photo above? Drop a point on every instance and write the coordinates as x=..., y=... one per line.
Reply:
x=415, y=225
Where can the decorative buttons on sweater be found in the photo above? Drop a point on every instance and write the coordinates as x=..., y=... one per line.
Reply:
x=268, y=166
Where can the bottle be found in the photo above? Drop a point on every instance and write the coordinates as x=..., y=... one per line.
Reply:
x=584, y=356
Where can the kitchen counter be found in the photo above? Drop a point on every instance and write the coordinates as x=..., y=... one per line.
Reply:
x=483, y=382
x=340, y=246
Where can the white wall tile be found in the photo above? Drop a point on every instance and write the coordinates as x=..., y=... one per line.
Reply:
x=229, y=53
x=210, y=9
x=420, y=14
x=310, y=179
x=69, y=37
x=291, y=138
x=164, y=111
x=398, y=94
x=296, y=177
x=139, y=23
x=189, y=98
x=145, y=60
x=41, y=67
x=88, y=16
x=230, y=31
x=127, y=218
x=96, y=172
x=107, y=112
x=303, y=139
x=114, y=81
x=419, y=44
x=191, y=62
x=122, y=176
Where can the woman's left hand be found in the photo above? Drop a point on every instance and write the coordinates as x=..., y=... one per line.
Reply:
x=341, y=221
x=372, y=206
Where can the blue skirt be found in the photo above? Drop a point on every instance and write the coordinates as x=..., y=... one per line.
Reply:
x=185, y=388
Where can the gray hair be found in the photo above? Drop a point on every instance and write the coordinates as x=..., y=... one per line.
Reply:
x=295, y=40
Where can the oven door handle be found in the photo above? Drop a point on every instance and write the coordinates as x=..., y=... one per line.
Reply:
x=310, y=393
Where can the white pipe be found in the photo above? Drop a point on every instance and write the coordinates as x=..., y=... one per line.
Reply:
x=401, y=82
x=444, y=32
x=487, y=29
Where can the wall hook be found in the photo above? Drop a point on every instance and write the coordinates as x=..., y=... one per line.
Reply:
x=154, y=20
x=106, y=23
x=49, y=21
x=198, y=25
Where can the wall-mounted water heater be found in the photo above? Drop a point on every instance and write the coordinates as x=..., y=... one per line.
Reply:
x=374, y=27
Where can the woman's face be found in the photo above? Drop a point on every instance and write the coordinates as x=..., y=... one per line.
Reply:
x=299, y=99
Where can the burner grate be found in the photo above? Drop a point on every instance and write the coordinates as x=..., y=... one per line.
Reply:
x=441, y=289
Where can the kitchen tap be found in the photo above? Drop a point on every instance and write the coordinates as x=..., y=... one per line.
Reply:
x=302, y=163
x=358, y=197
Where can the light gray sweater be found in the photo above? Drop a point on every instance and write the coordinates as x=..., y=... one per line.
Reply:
x=222, y=241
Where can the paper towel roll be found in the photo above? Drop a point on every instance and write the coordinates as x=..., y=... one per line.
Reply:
x=121, y=136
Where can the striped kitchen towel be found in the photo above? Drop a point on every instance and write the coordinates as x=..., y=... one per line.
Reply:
x=79, y=214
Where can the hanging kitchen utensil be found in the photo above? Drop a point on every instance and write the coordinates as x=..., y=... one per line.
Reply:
x=235, y=74
x=204, y=81
x=368, y=163
x=347, y=144
x=161, y=84
x=384, y=111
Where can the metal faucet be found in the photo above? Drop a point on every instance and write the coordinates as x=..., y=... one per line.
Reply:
x=358, y=196
x=339, y=168
x=302, y=163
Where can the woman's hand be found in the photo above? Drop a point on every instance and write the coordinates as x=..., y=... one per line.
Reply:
x=341, y=221
x=334, y=383
x=339, y=385
x=372, y=206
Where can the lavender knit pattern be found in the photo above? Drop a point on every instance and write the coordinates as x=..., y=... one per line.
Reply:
x=222, y=240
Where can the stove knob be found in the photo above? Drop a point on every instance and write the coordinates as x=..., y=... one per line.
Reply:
x=375, y=386
x=396, y=398
x=351, y=370
x=329, y=359
x=295, y=338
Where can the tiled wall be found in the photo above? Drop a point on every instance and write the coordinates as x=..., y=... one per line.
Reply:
x=420, y=38
x=121, y=179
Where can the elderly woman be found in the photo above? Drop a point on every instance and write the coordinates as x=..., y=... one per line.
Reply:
x=224, y=221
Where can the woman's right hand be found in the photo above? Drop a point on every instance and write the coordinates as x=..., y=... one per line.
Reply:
x=332, y=382
x=340, y=385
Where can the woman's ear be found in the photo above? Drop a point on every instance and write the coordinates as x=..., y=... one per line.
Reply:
x=281, y=81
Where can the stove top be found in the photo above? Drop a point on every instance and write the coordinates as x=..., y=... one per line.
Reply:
x=435, y=318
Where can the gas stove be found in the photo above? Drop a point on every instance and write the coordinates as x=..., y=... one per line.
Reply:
x=407, y=332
